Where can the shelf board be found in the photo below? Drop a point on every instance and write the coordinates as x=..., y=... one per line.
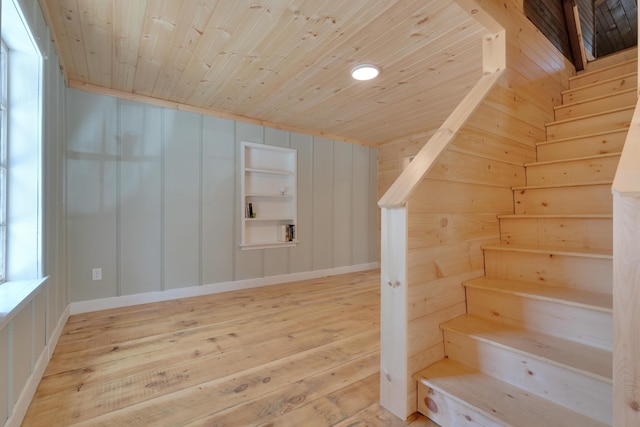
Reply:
x=270, y=195
x=270, y=171
x=266, y=245
x=268, y=219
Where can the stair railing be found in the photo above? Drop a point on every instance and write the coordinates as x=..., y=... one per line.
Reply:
x=626, y=280
x=395, y=380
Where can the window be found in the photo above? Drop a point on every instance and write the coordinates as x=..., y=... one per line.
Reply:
x=21, y=148
x=3, y=160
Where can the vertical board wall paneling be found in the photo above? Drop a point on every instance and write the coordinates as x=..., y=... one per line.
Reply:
x=59, y=114
x=302, y=254
x=177, y=200
x=249, y=263
x=91, y=194
x=218, y=200
x=276, y=260
x=360, y=207
x=342, y=203
x=51, y=192
x=322, y=203
x=39, y=324
x=374, y=211
x=21, y=337
x=139, y=198
x=182, y=138
x=4, y=375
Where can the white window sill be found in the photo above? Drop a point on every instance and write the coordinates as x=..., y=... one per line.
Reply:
x=14, y=296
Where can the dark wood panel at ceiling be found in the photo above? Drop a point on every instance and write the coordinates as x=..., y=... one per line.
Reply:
x=608, y=26
x=587, y=24
x=616, y=24
x=548, y=17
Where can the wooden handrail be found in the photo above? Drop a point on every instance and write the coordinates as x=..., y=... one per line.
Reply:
x=409, y=179
x=627, y=180
x=494, y=62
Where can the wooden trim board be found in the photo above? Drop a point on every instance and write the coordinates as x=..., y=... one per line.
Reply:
x=214, y=288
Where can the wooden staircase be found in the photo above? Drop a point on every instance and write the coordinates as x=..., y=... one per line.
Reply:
x=535, y=347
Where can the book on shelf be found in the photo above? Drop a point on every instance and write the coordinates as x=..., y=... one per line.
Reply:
x=287, y=233
x=248, y=210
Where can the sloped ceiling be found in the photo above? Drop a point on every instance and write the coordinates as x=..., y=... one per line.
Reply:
x=283, y=62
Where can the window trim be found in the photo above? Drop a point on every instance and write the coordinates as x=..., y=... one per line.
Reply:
x=4, y=112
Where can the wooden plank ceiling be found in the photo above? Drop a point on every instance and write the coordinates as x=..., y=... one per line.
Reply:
x=616, y=23
x=282, y=62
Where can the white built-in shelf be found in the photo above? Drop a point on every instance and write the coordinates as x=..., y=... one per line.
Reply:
x=268, y=196
x=269, y=171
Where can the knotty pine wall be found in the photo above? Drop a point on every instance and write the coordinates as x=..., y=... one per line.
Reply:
x=454, y=210
x=26, y=337
x=153, y=193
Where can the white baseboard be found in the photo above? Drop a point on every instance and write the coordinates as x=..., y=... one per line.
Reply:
x=194, y=291
x=28, y=391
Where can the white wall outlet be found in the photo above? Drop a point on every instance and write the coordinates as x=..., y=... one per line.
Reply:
x=96, y=274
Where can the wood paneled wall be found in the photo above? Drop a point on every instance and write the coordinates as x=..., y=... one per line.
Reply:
x=454, y=210
x=152, y=200
x=27, y=338
x=548, y=16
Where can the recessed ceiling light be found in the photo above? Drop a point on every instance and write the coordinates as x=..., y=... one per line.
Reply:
x=365, y=71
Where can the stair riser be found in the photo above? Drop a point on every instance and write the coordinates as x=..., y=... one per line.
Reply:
x=591, y=124
x=589, y=199
x=604, y=74
x=605, y=88
x=573, y=171
x=589, y=274
x=615, y=100
x=588, y=146
x=582, y=393
x=448, y=412
x=580, y=233
x=579, y=324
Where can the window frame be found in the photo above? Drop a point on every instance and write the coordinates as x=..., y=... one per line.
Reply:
x=4, y=112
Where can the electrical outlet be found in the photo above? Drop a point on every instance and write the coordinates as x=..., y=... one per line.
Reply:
x=96, y=274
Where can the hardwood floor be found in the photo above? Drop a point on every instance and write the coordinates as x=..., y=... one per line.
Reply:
x=296, y=354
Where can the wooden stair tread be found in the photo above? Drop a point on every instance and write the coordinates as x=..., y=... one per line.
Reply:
x=573, y=138
x=553, y=216
x=569, y=296
x=623, y=76
x=497, y=400
x=585, y=253
x=573, y=159
x=573, y=184
x=580, y=358
x=583, y=73
x=595, y=98
x=589, y=116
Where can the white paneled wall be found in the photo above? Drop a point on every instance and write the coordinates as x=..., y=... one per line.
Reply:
x=152, y=199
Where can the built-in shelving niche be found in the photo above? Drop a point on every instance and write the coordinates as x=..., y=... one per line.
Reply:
x=268, y=186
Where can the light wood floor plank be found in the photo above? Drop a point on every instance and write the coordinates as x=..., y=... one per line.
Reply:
x=302, y=353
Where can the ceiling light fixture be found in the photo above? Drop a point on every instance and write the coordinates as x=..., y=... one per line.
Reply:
x=365, y=71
